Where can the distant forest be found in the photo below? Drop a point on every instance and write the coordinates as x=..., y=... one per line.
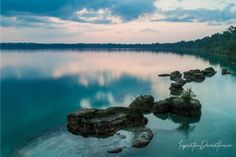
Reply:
x=219, y=43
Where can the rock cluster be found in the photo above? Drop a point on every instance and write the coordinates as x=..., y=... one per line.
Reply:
x=104, y=122
x=196, y=75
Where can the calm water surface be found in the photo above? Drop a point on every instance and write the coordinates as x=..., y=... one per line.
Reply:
x=38, y=90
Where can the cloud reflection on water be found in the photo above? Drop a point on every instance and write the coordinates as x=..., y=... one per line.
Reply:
x=101, y=68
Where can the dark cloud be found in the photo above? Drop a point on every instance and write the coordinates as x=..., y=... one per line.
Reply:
x=33, y=13
x=66, y=9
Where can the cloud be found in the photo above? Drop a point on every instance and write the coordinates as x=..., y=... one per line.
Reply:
x=102, y=16
x=225, y=15
x=149, y=30
x=29, y=21
x=37, y=13
x=94, y=11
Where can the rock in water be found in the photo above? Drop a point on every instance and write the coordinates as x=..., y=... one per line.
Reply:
x=225, y=72
x=142, y=137
x=161, y=106
x=179, y=106
x=174, y=76
x=181, y=81
x=104, y=122
x=143, y=103
x=199, y=77
x=176, y=88
x=208, y=72
x=194, y=75
x=164, y=75
x=115, y=150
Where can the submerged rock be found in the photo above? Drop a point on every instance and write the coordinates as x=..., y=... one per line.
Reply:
x=142, y=137
x=179, y=106
x=174, y=76
x=121, y=136
x=143, y=103
x=104, y=122
x=115, y=150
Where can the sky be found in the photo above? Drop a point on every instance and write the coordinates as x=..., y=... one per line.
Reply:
x=113, y=21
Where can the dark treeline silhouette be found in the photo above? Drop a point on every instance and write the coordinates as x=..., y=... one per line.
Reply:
x=219, y=43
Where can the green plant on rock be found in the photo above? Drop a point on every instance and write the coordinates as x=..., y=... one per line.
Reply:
x=188, y=94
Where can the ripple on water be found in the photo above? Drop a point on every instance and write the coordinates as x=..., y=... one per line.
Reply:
x=61, y=143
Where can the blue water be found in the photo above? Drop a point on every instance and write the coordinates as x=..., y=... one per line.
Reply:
x=38, y=90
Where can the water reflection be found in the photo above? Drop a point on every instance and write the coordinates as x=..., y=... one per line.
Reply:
x=40, y=89
x=184, y=122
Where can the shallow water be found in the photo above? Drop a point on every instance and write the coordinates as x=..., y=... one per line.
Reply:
x=38, y=90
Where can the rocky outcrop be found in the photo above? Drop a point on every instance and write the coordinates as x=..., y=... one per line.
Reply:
x=176, y=88
x=196, y=75
x=179, y=106
x=143, y=103
x=142, y=137
x=104, y=122
x=174, y=76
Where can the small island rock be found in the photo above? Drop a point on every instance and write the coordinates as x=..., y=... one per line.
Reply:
x=208, y=72
x=174, y=76
x=176, y=88
x=143, y=103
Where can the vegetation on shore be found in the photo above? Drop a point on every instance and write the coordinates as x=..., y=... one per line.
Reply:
x=219, y=43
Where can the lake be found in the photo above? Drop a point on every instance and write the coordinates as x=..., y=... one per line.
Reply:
x=39, y=89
